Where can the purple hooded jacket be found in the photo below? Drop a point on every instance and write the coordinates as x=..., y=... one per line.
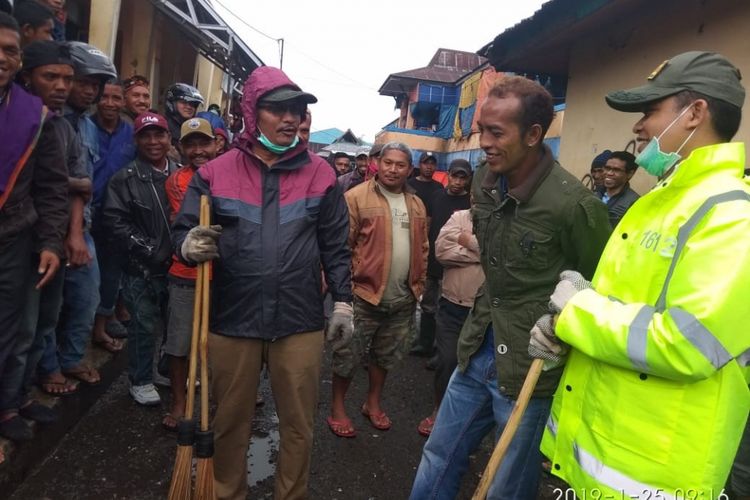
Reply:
x=279, y=225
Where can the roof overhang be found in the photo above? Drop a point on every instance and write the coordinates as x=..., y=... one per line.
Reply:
x=397, y=85
x=213, y=38
x=542, y=43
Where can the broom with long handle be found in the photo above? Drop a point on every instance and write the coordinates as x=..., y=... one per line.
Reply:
x=204, y=439
x=501, y=448
x=180, y=487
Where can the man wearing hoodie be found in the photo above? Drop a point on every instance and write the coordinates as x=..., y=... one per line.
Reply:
x=279, y=215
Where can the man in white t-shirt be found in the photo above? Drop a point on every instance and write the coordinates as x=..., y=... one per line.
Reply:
x=388, y=238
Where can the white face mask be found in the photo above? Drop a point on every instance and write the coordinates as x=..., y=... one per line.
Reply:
x=655, y=161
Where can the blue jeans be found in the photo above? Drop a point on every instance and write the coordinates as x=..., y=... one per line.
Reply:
x=80, y=298
x=40, y=315
x=146, y=299
x=471, y=407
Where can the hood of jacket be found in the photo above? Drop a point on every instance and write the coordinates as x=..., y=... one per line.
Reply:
x=260, y=82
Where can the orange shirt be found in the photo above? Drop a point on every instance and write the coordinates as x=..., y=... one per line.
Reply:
x=176, y=186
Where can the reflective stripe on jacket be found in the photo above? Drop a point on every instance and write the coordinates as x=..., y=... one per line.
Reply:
x=654, y=395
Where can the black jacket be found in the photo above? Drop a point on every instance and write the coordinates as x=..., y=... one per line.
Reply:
x=39, y=199
x=136, y=215
x=620, y=203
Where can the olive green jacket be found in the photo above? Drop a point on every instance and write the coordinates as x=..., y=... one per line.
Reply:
x=527, y=236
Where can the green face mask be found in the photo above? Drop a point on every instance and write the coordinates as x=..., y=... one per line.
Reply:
x=655, y=161
x=275, y=148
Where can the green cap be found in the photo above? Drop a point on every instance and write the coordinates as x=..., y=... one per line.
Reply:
x=707, y=73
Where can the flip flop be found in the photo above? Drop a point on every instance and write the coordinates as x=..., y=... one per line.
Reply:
x=57, y=387
x=378, y=420
x=170, y=422
x=342, y=428
x=112, y=345
x=84, y=374
x=425, y=426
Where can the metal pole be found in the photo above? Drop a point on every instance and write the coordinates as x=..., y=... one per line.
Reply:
x=281, y=57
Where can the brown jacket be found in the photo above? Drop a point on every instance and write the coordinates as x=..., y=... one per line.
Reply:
x=370, y=234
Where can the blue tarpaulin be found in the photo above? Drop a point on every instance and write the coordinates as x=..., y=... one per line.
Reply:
x=466, y=117
x=447, y=118
x=438, y=94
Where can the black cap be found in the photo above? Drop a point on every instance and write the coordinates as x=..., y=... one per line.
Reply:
x=287, y=94
x=45, y=52
x=459, y=166
x=427, y=156
x=707, y=73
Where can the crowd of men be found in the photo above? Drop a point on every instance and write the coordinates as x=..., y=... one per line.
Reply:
x=627, y=299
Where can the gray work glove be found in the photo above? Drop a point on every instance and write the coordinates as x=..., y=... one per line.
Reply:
x=571, y=282
x=341, y=325
x=200, y=244
x=543, y=343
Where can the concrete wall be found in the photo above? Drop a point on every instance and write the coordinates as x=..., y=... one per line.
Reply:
x=623, y=54
x=151, y=44
x=208, y=78
x=136, y=35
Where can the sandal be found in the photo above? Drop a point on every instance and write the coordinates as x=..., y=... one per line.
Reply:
x=425, y=426
x=378, y=420
x=170, y=422
x=110, y=345
x=342, y=428
x=84, y=373
x=55, y=384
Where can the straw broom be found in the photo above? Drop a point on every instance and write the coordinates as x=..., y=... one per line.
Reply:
x=204, y=439
x=510, y=429
x=181, y=488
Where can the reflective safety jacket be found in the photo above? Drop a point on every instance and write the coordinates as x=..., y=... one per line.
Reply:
x=654, y=397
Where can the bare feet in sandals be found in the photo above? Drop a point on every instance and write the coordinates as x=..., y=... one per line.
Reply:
x=108, y=343
x=170, y=421
x=83, y=373
x=341, y=427
x=55, y=384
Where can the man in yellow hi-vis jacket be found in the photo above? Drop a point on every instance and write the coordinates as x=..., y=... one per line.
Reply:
x=654, y=397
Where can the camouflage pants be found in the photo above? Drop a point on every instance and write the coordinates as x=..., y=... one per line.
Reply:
x=382, y=330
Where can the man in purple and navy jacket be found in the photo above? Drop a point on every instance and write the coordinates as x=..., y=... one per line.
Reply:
x=278, y=215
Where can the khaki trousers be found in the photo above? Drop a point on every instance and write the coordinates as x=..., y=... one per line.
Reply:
x=294, y=364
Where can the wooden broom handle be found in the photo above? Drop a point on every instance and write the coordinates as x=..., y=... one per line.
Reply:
x=195, y=337
x=205, y=296
x=501, y=448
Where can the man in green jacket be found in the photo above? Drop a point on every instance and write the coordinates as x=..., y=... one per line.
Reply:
x=533, y=220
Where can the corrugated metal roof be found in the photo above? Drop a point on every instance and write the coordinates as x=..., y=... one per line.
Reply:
x=542, y=42
x=326, y=136
x=446, y=66
x=347, y=147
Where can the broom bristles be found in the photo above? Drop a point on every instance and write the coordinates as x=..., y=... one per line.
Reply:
x=180, y=487
x=204, y=482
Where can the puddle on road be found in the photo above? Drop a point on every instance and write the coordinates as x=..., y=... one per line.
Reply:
x=260, y=465
x=264, y=445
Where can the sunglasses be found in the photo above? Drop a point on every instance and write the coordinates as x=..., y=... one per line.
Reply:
x=283, y=107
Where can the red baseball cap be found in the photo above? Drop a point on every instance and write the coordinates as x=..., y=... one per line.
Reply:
x=149, y=119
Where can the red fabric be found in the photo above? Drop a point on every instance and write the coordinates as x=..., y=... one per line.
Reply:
x=177, y=185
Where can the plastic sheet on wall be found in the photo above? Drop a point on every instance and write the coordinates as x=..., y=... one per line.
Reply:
x=469, y=89
x=489, y=77
x=447, y=119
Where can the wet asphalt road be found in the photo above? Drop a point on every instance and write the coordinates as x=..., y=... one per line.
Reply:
x=119, y=450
